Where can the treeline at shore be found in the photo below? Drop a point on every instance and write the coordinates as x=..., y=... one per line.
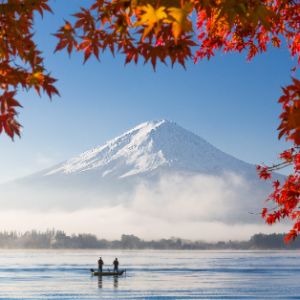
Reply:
x=57, y=239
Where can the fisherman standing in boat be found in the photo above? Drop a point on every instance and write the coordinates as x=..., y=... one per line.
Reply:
x=116, y=265
x=100, y=264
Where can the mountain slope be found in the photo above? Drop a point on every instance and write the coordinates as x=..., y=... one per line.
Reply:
x=150, y=146
x=140, y=170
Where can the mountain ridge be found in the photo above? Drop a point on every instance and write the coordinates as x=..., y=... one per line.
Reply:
x=149, y=146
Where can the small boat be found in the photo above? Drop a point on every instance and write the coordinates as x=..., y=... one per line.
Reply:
x=107, y=273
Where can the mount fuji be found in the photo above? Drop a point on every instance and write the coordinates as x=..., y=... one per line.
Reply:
x=157, y=169
x=148, y=147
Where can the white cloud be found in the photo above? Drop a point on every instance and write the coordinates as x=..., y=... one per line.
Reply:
x=179, y=198
x=194, y=207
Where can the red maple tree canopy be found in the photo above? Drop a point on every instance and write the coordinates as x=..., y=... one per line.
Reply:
x=286, y=196
x=17, y=46
x=158, y=30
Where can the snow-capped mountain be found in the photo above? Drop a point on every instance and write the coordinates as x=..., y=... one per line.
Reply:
x=149, y=146
x=146, y=165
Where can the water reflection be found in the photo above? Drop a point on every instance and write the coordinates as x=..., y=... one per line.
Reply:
x=116, y=281
x=100, y=281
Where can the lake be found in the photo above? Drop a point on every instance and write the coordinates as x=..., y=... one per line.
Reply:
x=63, y=274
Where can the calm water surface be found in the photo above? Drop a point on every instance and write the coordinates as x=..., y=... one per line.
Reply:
x=150, y=275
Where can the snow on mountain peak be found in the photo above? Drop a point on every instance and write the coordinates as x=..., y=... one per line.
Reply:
x=149, y=146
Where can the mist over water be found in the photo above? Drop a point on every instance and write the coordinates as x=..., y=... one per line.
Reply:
x=111, y=223
x=196, y=207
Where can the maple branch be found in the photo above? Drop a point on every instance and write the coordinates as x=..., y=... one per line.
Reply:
x=283, y=164
x=278, y=166
x=261, y=213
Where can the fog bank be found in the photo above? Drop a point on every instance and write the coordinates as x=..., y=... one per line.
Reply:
x=196, y=207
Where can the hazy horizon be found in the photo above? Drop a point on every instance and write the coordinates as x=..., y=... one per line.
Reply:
x=198, y=208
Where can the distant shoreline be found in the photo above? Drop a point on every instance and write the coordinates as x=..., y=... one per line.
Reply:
x=58, y=240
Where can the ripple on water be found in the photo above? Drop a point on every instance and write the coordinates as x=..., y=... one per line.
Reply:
x=150, y=275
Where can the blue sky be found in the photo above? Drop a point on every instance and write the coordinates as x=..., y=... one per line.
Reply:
x=230, y=103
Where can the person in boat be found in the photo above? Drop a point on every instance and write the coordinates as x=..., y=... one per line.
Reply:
x=100, y=264
x=116, y=265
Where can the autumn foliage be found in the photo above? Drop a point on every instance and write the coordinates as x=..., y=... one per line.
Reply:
x=166, y=31
x=286, y=196
x=21, y=64
x=154, y=30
